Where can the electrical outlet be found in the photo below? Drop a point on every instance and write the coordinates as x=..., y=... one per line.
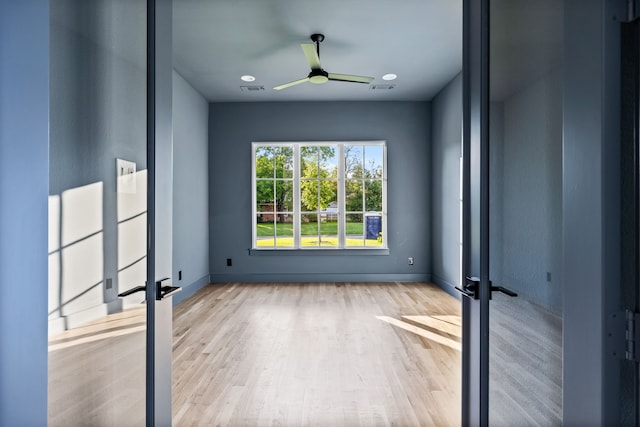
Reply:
x=548, y=276
x=410, y=260
x=109, y=283
x=229, y=262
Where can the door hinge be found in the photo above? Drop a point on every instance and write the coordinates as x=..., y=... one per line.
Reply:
x=623, y=333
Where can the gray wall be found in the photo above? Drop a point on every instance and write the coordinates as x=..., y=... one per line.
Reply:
x=526, y=189
x=24, y=169
x=406, y=128
x=445, y=171
x=190, y=188
x=98, y=114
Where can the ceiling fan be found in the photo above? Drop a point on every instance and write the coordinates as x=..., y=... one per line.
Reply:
x=317, y=74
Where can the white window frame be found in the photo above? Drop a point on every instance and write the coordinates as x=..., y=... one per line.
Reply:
x=341, y=197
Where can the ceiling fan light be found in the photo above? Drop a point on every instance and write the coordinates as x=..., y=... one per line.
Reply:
x=247, y=78
x=319, y=79
x=389, y=76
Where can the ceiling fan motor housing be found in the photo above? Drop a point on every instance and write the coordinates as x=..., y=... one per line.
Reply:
x=318, y=76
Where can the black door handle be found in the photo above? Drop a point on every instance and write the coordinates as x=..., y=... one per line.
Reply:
x=504, y=290
x=161, y=291
x=132, y=291
x=164, y=291
x=466, y=293
x=471, y=289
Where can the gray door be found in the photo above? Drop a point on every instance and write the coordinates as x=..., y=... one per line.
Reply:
x=98, y=212
x=512, y=358
x=525, y=211
x=109, y=332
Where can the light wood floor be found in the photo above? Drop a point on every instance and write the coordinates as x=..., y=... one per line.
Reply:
x=310, y=354
x=525, y=386
x=317, y=354
x=97, y=372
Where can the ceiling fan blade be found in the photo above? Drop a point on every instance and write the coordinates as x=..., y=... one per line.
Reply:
x=350, y=78
x=311, y=53
x=293, y=83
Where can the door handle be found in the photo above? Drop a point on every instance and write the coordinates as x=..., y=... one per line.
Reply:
x=126, y=293
x=163, y=292
x=471, y=288
x=504, y=290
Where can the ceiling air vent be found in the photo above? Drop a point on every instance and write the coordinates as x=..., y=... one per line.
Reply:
x=381, y=87
x=252, y=88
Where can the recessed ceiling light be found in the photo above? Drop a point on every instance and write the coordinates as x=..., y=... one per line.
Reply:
x=248, y=78
x=389, y=77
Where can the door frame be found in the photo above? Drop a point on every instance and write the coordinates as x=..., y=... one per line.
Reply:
x=475, y=212
x=159, y=334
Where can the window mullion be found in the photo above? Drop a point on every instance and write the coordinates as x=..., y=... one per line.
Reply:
x=274, y=201
x=296, y=196
x=384, y=196
x=363, y=186
x=254, y=230
x=342, y=226
x=319, y=186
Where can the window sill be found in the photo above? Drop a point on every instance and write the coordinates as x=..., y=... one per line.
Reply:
x=317, y=252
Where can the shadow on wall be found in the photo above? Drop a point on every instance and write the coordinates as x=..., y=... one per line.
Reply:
x=79, y=290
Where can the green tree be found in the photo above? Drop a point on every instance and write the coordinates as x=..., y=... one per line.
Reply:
x=353, y=195
x=354, y=192
x=318, y=171
x=274, y=169
x=373, y=195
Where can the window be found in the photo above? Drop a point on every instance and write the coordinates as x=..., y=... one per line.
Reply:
x=329, y=195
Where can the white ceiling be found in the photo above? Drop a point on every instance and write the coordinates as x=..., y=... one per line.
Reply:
x=217, y=41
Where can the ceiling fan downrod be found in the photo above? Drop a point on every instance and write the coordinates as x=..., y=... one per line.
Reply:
x=317, y=39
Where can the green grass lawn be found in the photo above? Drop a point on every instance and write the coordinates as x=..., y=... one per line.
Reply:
x=313, y=242
x=308, y=229
x=309, y=235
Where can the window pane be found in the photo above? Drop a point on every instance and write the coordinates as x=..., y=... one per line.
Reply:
x=264, y=162
x=309, y=162
x=373, y=161
x=329, y=230
x=284, y=196
x=354, y=230
x=309, y=195
x=284, y=230
x=329, y=241
x=284, y=162
x=373, y=230
x=264, y=196
x=329, y=196
x=353, y=195
x=373, y=196
x=264, y=230
x=353, y=161
x=309, y=230
x=328, y=162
